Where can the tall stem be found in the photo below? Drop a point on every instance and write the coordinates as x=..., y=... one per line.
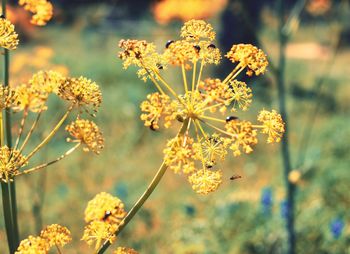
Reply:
x=290, y=188
x=10, y=203
x=137, y=206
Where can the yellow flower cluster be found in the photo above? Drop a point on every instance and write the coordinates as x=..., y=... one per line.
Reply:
x=8, y=36
x=42, y=10
x=103, y=214
x=11, y=160
x=81, y=91
x=52, y=236
x=7, y=97
x=196, y=151
x=88, y=133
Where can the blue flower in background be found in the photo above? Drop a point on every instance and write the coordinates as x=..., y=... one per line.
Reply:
x=267, y=200
x=284, y=209
x=336, y=227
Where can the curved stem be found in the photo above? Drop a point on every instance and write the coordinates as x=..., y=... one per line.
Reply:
x=44, y=165
x=184, y=78
x=155, y=181
x=51, y=134
x=24, y=117
x=29, y=134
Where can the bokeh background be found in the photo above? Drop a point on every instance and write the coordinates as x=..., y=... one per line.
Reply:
x=244, y=216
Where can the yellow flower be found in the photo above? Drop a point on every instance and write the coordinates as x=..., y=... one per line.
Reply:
x=156, y=106
x=88, y=133
x=105, y=207
x=205, y=181
x=27, y=96
x=10, y=163
x=7, y=97
x=273, y=125
x=243, y=136
x=142, y=54
x=125, y=250
x=96, y=232
x=48, y=81
x=205, y=137
x=196, y=30
x=81, y=91
x=249, y=56
x=56, y=235
x=179, y=155
x=42, y=10
x=8, y=36
x=33, y=245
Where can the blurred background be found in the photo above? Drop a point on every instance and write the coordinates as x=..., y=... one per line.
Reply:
x=247, y=215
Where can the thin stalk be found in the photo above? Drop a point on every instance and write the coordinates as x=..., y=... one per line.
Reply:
x=10, y=203
x=51, y=134
x=184, y=77
x=155, y=181
x=6, y=200
x=235, y=71
x=24, y=117
x=213, y=119
x=290, y=188
x=44, y=165
x=29, y=134
x=194, y=75
x=58, y=249
x=200, y=74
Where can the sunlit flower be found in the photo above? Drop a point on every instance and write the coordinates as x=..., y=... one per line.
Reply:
x=125, y=250
x=10, y=163
x=273, y=125
x=179, y=153
x=249, y=56
x=105, y=207
x=8, y=36
x=142, y=54
x=96, y=232
x=243, y=136
x=7, y=97
x=81, y=91
x=33, y=245
x=205, y=181
x=48, y=81
x=205, y=135
x=197, y=30
x=88, y=133
x=27, y=96
x=42, y=10
x=156, y=106
x=56, y=235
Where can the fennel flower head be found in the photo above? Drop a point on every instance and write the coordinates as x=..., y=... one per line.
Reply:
x=205, y=106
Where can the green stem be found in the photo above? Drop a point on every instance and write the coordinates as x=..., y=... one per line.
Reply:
x=9, y=192
x=137, y=206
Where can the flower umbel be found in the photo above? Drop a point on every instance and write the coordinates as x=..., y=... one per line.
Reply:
x=199, y=106
x=42, y=10
x=56, y=235
x=88, y=133
x=33, y=245
x=10, y=163
x=8, y=36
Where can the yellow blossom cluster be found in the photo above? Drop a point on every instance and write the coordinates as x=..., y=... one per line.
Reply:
x=52, y=236
x=103, y=214
x=205, y=136
x=8, y=36
x=88, y=133
x=42, y=10
x=32, y=97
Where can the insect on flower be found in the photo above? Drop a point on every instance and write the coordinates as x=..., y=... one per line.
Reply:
x=201, y=104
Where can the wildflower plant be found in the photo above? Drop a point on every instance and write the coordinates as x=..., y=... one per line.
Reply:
x=203, y=108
